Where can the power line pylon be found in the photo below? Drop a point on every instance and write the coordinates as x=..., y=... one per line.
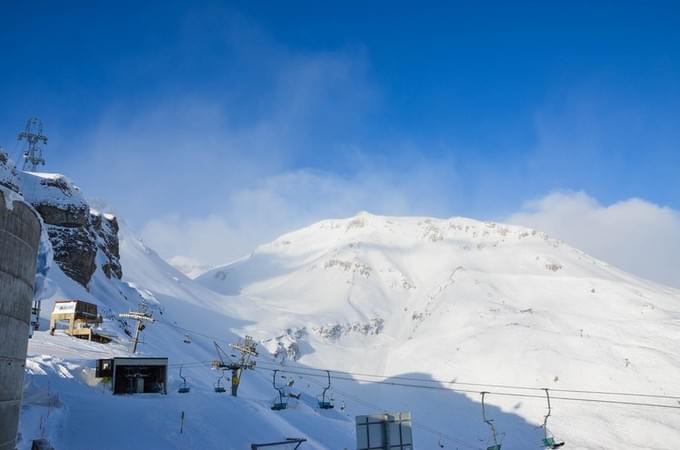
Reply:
x=141, y=317
x=247, y=349
x=33, y=135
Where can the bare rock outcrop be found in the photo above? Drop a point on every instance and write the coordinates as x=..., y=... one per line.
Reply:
x=82, y=239
x=8, y=173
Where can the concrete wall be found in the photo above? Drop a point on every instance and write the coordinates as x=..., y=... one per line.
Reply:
x=19, y=238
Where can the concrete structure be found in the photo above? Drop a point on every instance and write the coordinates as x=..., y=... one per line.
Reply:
x=19, y=239
x=82, y=319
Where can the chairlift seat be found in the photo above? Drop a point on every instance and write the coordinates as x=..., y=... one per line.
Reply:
x=326, y=405
x=183, y=390
x=279, y=406
x=220, y=389
x=551, y=443
x=494, y=447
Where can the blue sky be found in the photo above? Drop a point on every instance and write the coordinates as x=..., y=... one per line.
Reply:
x=257, y=117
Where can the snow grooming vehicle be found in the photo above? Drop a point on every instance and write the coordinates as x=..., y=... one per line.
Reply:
x=548, y=440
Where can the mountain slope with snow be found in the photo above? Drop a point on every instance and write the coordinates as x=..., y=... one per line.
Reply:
x=421, y=299
x=64, y=403
x=471, y=301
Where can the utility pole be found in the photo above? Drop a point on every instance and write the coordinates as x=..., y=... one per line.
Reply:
x=247, y=349
x=33, y=135
x=141, y=317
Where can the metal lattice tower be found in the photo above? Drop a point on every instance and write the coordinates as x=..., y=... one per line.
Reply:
x=33, y=135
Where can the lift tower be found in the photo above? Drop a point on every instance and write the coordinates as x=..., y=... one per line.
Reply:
x=33, y=135
x=140, y=316
x=247, y=349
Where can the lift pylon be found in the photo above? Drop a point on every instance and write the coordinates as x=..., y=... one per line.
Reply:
x=247, y=348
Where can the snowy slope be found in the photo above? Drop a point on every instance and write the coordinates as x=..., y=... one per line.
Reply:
x=415, y=297
x=188, y=266
x=471, y=301
x=61, y=395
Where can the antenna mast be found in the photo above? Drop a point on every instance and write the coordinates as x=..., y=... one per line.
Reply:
x=33, y=135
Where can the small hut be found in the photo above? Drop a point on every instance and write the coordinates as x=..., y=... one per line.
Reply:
x=135, y=375
x=82, y=319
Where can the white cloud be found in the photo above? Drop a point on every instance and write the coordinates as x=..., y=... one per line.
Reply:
x=273, y=205
x=638, y=236
x=181, y=151
x=635, y=235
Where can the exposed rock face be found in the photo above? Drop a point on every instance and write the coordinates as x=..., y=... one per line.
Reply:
x=69, y=216
x=82, y=239
x=105, y=227
x=74, y=251
x=8, y=173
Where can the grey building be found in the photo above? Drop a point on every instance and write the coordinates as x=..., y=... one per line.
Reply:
x=19, y=240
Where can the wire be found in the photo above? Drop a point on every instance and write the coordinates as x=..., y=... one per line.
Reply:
x=187, y=330
x=500, y=386
x=492, y=385
x=469, y=391
x=379, y=408
x=191, y=364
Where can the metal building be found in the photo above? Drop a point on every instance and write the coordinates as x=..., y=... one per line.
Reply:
x=386, y=431
x=135, y=375
x=19, y=239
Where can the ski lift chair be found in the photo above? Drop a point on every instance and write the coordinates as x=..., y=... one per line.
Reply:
x=548, y=440
x=219, y=387
x=279, y=403
x=495, y=445
x=326, y=403
x=184, y=388
x=187, y=339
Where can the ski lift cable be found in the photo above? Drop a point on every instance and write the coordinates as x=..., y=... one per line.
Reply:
x=466, y=391
x=508, y=394
x=500, y=386
x=188, y=330
x=448, y=382
x=191, y=364
x=504, y=394
x=414, y=423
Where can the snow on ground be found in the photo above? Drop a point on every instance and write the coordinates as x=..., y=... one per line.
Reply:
x=188, y=266
x=51, y=188
x=421, y=298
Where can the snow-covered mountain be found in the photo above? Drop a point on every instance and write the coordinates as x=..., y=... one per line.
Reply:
x=476, y=302
x=417, y=298
x=188, y=266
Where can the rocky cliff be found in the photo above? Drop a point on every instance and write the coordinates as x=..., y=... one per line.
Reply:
x=82, y=238
x=8, y=173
